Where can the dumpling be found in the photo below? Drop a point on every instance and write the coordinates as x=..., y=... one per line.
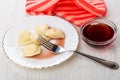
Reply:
x=24, y=38
x=41, y=29
x=54, y=33
x=34, y=36
x=31, y=50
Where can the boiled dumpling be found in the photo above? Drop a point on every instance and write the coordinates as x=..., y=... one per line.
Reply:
x=34, y=37
x=41, y=29
x=54, y=33
x=24, y=38
x=31, y=50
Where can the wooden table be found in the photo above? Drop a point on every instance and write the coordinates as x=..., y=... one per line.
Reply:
x=76, y=67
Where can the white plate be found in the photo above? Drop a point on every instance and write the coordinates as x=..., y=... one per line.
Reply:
x=13, y=51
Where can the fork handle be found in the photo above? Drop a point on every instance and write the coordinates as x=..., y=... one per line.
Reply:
x=110, y=64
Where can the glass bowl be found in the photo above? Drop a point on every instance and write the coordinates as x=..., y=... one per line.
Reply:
x=98, y=32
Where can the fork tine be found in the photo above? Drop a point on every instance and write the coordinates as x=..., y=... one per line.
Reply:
x=45, y=43
x=41, y=39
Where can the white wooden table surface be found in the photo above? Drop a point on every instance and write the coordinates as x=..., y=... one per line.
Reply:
x=76, y=67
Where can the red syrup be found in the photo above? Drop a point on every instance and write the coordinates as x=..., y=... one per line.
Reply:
x=98, y=32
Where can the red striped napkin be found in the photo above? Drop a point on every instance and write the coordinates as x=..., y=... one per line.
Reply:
x=74, y=11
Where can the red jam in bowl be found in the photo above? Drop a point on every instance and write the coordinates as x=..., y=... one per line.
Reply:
x=99, y=32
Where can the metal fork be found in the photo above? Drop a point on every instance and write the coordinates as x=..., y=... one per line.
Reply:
x=58, y=49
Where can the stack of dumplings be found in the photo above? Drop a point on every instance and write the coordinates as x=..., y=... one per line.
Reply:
x=28, y=40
